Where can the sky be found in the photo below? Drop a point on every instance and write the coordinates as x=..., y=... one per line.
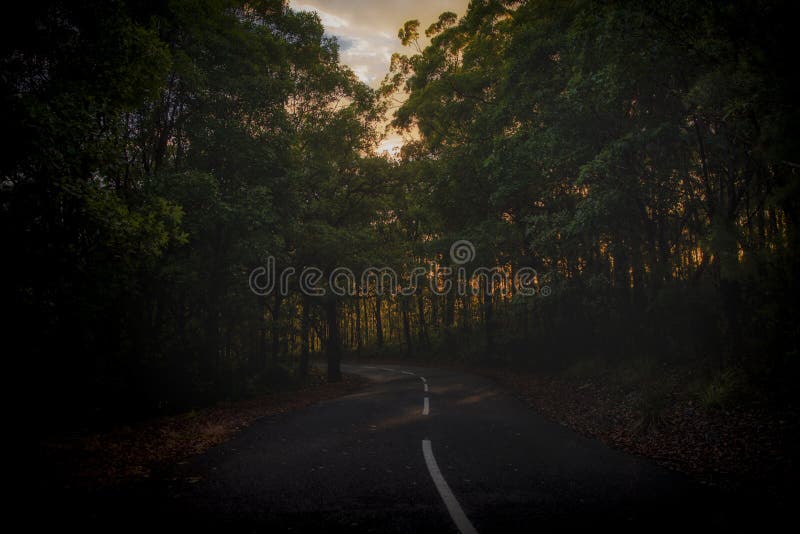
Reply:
x=367, y=33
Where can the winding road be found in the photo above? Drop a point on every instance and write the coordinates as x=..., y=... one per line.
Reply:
x=417, y=450
x=431, y=450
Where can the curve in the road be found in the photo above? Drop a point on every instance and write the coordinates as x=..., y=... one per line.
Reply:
x=451, y=503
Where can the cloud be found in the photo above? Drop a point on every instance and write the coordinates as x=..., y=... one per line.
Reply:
x=367, y=34
x=345, y=43
x=367, y=29
x=329, y=20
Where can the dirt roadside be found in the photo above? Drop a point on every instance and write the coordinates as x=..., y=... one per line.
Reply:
x=152, y=448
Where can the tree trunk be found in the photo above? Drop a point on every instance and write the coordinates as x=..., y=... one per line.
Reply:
x=406, y=325
x=488, y=320
x=449, y=318
x=304, y=328
x=465, y=311
x=333, y=347
x=276, y=337
x=358, y=325
x=378, y=321
x=423, y=328
x=434, y=312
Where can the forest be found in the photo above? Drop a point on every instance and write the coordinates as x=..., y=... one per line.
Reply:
x=640, y=156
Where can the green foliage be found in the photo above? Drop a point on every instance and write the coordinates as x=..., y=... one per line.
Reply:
x=623, y=145
x=159, y=152
x=724, y=389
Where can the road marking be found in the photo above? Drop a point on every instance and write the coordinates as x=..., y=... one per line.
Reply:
x=424, y=380
x=426, y=409
x=456, y=512
x=407, y=373
x=426, y=388
x=385, y=369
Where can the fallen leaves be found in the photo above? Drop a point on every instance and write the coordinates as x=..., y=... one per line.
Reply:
x=748, y=445
x=138, y=452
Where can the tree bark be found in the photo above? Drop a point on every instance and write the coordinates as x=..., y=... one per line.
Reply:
x=423, y=328
x=358, y=325
x=276, y=337
x=488, y=320
x=378, y=321
x=304, y=333
x=406, y=326
x=333, y=347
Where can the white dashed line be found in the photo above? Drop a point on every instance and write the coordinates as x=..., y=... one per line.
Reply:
x=426, y=387
x=456, y=512
x=426, y=408
x=407, y=373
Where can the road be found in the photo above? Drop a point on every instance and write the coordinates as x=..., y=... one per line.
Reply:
x=418, y=450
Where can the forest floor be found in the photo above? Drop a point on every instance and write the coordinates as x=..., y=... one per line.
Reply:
x=153, y=447
x=747, y=446
x=666, y=414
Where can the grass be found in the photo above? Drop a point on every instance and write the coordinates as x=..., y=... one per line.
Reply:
x=723, y=389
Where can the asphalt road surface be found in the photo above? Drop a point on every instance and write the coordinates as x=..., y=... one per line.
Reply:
x=418, y=450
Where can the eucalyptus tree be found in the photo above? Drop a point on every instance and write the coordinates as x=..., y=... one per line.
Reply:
x=633, y=153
